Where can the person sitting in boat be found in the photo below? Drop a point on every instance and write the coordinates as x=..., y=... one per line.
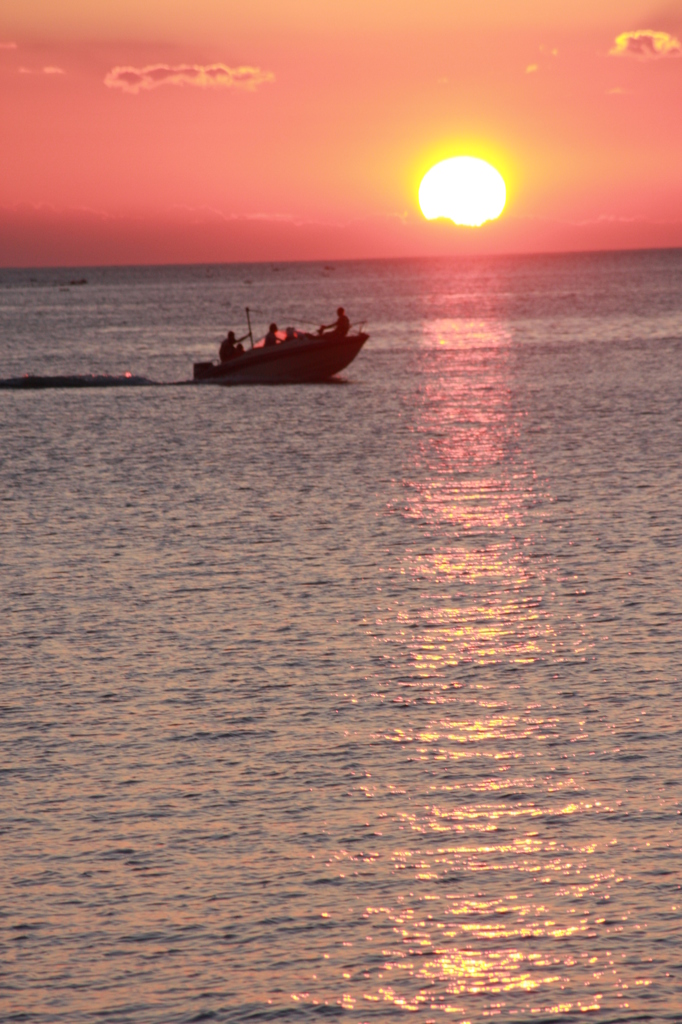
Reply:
x=271, y=337
x=231, y=347
x=340, y=327
x=292, y=334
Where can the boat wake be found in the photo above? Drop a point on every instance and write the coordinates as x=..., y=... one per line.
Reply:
x=90, y=380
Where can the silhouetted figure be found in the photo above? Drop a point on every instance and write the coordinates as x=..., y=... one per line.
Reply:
x=231, y=347
x=340, y=327
x=271, y=337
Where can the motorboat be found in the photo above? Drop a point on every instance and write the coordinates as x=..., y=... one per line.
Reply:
x=297, y=358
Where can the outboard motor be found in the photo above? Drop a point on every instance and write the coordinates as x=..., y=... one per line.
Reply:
x=204, y=371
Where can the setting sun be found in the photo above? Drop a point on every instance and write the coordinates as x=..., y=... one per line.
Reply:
x=465, y=189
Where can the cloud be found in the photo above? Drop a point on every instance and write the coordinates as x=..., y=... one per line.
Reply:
x=646, y=44
x=135, y=79
x=8, y=46
x=531, y=69
x=44, y=71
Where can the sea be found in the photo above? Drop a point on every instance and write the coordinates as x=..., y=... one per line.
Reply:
x=355, y=701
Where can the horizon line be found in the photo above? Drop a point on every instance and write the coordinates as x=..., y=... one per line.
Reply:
x=544, y=253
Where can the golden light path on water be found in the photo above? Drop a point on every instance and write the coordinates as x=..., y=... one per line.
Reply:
x=500, y=899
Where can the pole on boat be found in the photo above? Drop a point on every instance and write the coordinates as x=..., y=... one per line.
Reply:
x=248, y=320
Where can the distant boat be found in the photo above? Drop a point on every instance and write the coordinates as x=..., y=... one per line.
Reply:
x=303, y=359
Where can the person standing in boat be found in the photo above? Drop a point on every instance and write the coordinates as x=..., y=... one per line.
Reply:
x=271, y=337
x=231, y=347
x=340, y=327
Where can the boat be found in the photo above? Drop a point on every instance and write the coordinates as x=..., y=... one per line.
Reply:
x=302, y=359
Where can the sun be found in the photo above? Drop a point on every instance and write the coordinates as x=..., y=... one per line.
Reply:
x=467, y=190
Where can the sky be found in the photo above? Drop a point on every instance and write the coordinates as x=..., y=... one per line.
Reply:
x=219, y=130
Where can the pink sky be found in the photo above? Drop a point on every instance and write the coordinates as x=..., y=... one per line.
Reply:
x=216, y=130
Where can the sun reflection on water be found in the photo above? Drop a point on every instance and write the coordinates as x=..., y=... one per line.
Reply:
x=500, y=897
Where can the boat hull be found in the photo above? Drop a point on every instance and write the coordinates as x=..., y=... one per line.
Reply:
x=301, y=361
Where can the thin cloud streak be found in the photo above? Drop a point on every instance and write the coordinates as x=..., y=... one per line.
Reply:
x=42, y=71
x=646, y=44
x=133, y=80
x=8, y=46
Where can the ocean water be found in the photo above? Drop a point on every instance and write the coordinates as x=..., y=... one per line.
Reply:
x=355, y=701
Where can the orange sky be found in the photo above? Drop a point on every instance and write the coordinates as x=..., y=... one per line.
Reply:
x=301, y=128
